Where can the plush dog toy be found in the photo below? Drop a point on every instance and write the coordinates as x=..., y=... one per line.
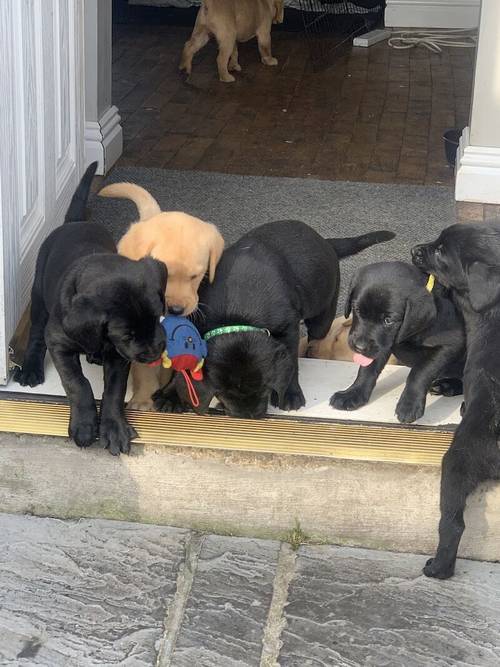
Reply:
x=186, y=349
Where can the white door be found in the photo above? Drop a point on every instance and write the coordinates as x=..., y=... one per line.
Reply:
x=41, y=139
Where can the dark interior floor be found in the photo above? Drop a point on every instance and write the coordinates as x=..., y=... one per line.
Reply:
x=374, y=114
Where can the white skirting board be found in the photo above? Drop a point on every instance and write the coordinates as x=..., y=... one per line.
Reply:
x=104, y=140
x=477, y=172
x=319, y=380
x=432, y=13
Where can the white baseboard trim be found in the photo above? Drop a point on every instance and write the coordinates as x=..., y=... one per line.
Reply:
x=104, y=140
x=432, y=13
x=477, y=177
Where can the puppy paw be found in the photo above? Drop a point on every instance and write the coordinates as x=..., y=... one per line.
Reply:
x=409, y=409
x=271, y=62
x=293, y=399
x=350, y=399
x=94, y=359
x=84, y=429
x=235, y=67
x=115, y=435
x=144, y=405
x=447, y=387
x=31, y=374
x=168, y=402
x=439, y=571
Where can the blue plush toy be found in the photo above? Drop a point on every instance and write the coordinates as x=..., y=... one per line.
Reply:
x=186, y=349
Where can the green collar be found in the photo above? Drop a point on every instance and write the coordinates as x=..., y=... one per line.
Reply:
x=235, y=328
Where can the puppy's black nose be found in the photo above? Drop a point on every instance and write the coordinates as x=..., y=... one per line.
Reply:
x=176, y=310
x=360, y=347
x=417, y=253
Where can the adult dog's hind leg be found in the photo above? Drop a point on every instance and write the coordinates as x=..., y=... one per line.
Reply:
x=264, y=42
x=234, y=65
x=197, y=41
x=32, y=373
x=226, y=47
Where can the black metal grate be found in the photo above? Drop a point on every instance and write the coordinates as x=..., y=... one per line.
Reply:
x=330, y=25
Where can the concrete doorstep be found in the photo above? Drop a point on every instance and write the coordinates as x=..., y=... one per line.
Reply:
x=92, y=593
x=372, y=504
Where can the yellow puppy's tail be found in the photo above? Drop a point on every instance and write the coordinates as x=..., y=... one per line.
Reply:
x=146, y=203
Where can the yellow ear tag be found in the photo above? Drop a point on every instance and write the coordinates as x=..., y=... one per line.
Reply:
x=166, y=362
x=199, y=365
x=430, y=283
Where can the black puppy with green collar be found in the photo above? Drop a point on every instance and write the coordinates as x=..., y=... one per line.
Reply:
x=274, y=277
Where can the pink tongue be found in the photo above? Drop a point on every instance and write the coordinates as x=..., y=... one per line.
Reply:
x=361, y=359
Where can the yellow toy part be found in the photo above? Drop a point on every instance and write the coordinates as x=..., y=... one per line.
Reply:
x=166, y=362
x=199, y=366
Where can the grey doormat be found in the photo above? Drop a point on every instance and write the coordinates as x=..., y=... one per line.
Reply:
x=334, y=208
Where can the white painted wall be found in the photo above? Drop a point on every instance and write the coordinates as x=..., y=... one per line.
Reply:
x=41, y=139
x=432, y=13
x=103, y=132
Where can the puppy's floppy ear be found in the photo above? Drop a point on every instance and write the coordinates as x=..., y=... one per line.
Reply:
x=136, y=243
x=216, y=248
x=157, y=270
x=484, y=286
x=419, y=312
x=82, y=321
x=283, y=370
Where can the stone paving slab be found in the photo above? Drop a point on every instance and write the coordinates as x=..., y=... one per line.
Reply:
x=84, y=593
x=355, y=607
x=227, y=608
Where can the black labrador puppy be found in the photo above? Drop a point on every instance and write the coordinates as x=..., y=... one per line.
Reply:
x=466, y=258
x=396, y=311
x=274, y=277
x=87, y=299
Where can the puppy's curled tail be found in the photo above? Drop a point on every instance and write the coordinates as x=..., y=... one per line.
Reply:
x=354, y=244
x=78, y=204
x=146, y=203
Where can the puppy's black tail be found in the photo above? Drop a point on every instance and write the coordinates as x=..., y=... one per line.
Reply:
x=76, y=210
x=354, y=244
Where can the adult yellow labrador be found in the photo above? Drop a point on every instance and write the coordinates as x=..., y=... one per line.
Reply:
x=230, y=22
x=191, y=248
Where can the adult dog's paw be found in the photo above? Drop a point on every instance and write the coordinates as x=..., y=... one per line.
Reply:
x=116, y=434
x=439, y=570
x=144, y=405
x=349, y=399
x=84, y=427
x=447, y=387
x=409, y=409
x=292, y=399
x=31, y=374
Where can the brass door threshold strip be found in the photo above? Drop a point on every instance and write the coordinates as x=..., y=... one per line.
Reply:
x=297, y=437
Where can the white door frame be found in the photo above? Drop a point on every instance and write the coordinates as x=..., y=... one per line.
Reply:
x=103, y=132
x=41, y=139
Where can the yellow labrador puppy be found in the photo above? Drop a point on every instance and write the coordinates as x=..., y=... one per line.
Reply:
x=334, y=346
x=188, y=246
x=232, y=21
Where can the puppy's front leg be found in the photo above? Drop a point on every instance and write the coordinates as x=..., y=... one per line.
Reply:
x=83, y=423
x=115, y=432
x=358, y=394
x=411, y=405
x=288, y=394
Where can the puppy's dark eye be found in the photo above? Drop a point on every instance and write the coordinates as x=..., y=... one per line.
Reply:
x=128, y=337
x=195, y=277
x=388, y=321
